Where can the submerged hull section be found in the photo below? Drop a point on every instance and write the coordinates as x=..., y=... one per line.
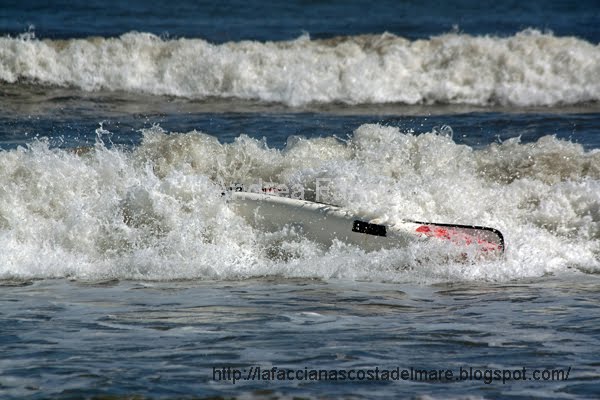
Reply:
x=325, y=223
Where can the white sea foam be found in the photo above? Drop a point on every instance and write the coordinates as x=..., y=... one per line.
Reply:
x=529, y=68
x=156, y=212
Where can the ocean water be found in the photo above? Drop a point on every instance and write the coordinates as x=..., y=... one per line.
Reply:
x=125, y=273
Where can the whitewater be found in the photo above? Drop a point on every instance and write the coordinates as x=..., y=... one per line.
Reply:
x=529, y=68
x=156, y=211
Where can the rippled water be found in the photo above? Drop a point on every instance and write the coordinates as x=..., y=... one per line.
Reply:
x=158, y=339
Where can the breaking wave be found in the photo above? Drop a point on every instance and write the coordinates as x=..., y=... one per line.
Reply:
x=156, y=211
x=528, y=69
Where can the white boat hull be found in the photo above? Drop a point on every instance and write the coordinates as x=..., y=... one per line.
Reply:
x=325, y=223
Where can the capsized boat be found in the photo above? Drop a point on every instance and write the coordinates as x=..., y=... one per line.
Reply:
x=325, y=223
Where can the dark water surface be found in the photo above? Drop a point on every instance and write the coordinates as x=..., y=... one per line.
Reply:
x=166, y=339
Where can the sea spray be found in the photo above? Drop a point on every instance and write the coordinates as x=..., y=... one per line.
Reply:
x=156, y=211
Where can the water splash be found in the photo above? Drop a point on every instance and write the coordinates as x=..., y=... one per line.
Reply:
x=156, y=211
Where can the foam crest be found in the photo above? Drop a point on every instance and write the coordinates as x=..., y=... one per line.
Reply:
x=529, y=68
x=156, y=211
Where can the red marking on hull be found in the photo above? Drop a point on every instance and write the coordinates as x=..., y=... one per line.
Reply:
x=457, y=237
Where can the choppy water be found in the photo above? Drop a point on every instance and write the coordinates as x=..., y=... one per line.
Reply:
x=163, y=339
x=124, y=271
